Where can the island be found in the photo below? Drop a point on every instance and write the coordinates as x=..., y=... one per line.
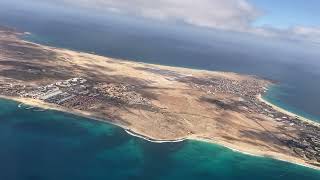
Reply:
x=156, y=102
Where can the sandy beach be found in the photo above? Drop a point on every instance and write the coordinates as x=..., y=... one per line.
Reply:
x=288, y=112
x=132, y=132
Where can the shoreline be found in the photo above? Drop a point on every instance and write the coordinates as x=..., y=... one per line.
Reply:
x=190, y=69
x=134, y=133
x=47, y=106
x=275, y=157
x=287, y=112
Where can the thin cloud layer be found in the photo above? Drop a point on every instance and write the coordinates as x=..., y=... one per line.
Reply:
x=309, y=33
x=221, y=14
x=231, y=15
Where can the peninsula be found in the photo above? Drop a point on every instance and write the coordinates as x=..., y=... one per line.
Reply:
x=155, y=102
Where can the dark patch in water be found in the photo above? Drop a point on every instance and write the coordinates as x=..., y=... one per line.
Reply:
x=51, y=127
x=104, y=142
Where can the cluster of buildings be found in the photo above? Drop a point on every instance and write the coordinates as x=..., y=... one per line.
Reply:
x=12, y=89
x=256, y=106
x=60, y=91
x=243, y=88
x=78, y=93
x=306, y=145
x=123, y=93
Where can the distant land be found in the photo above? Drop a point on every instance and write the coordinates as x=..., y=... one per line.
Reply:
x=155, y=102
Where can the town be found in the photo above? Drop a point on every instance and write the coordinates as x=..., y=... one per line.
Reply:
x=77, y=93
x=306, y=145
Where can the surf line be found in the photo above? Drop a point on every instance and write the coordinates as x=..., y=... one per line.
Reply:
x=22, y=105
x=130, y=132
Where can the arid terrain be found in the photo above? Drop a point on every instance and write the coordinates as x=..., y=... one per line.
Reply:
x=157, y=102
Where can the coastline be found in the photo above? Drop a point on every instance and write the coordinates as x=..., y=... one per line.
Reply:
x=184, y=69
x=261, y=155
x=48, y=106
x=309, y=121
x=135, y=133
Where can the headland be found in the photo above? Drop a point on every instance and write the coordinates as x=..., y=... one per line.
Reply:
x=155, y=102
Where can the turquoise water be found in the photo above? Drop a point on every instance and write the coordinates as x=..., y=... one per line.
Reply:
x=54, y=145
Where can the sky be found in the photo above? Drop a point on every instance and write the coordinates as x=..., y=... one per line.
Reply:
x=283, y=19
x=287, y=13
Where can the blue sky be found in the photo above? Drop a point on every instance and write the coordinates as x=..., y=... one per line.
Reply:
x=287, y=13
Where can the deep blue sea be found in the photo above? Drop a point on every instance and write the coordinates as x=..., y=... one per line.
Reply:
x=54, y=145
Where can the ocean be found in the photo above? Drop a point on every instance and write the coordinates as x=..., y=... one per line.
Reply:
x=294, y=65
x=54, y=145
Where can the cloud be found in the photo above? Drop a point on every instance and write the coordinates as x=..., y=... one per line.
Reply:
x=231, y=15
x=222, y=14
x=308, y=33
x=226, y=14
